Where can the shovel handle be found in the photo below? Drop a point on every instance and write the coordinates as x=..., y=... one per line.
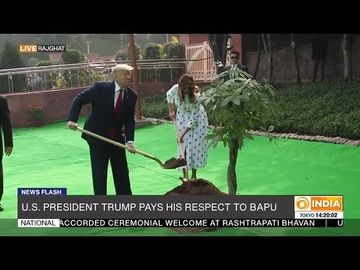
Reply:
x=178, y=140
x=115, y=143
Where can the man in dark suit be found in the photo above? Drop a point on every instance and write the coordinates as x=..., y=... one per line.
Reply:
x=234, y=63
x=5, y=124
x=113, y=110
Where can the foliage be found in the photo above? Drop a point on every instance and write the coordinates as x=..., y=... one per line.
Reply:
x=10, y=58
x=32, y=61
x=325, y=108
x=121, y=55
x=77, y=77
x=124, y=54
x=236, y=105
x=152, y=51
x=44, y=63
x=36, y=111
x=47, y=79
x=173, y=49
x=72, y=56
x=218, y=44
x=155, y=106
x=329, y=108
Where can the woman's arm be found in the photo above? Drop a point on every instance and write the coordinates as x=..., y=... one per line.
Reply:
x=170, y=98
x=171, y=108
x=184, y=133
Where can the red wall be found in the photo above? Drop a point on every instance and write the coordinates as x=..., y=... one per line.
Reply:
x=236, y=43
x=193, y=38
x=56, y=103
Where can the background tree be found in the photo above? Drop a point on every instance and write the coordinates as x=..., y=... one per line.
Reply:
x=72, y=56
x=268, y=50
x=235, y=107
x=346, y=45
x=218, y=44
x=32, y=61
x=74, y=77
x=293, y=46
x=152, y=51
x=122, y=55
x=10, y=58
x=258, y=39
x=173, y=49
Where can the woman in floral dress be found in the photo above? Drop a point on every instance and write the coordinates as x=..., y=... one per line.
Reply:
x=191, y=123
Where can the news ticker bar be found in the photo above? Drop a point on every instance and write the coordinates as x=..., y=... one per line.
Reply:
x=271, y=223
x=37, y=204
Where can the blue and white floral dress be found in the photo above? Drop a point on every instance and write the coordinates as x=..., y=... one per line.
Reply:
x=192, y=115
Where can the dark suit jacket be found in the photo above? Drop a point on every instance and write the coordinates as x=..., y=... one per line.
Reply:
x=242, y=67
x=5, y=124
x=101, y=119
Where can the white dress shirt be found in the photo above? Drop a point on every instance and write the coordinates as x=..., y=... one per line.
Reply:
x=117, y=92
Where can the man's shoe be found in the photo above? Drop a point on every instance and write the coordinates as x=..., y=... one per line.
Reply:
x=1, y=208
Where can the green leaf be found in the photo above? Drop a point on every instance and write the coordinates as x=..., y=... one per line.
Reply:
x=225, y=101
x=236, y=100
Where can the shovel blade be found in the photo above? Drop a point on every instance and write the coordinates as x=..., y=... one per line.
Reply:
x=174, y=163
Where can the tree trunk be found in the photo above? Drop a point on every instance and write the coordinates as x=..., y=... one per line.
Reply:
x=270, y=62
x=258, y=55
x=293, y=46
x=135, y=75
x=231, y=173
x=268, y=51
x=218, y=44
x=347, y=46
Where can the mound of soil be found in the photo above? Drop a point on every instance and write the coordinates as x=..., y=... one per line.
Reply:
x=195, y=187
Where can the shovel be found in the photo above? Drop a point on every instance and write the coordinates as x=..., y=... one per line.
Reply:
x=169, y=164
x=181, y=151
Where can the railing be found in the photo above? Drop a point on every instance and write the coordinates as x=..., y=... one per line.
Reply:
x=83, y=74
x=200, y=62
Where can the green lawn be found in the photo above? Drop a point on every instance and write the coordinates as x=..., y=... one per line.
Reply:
x=54, y=156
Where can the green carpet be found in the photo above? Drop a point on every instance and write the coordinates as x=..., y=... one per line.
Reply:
x=54, y=156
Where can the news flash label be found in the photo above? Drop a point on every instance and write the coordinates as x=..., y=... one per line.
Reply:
x=41, y=191
x=39, y=223
x=35, y=48
x=318, y=207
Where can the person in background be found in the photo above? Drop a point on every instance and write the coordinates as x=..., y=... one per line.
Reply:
x=5, y=123
x=234, y=62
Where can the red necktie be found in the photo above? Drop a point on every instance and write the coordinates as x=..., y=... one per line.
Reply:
x=118, y=103
x=116, y=114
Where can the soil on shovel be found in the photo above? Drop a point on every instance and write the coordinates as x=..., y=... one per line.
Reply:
x=195, y=187
x=173, y=163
